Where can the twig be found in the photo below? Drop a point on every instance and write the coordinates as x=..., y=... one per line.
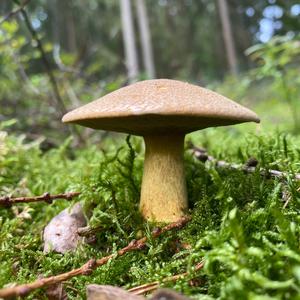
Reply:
x=142, y=289
x=249, y=167
x=8, y=201
x=14, y=12
x=87, y=268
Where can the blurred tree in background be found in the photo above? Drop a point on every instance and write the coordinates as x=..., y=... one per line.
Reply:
x=84, y=48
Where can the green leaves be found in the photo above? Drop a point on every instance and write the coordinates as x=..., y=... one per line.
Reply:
x=278, y=59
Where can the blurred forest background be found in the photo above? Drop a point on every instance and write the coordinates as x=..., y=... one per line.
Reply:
x=57, y=55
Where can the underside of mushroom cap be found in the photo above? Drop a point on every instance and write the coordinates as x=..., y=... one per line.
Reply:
x=160, y=106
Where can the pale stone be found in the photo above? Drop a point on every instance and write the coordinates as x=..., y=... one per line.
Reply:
x=61, y=235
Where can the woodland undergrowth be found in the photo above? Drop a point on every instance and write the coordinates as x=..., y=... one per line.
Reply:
x=240, y=227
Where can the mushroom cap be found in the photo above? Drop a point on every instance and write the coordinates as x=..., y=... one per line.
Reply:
x=160, y=106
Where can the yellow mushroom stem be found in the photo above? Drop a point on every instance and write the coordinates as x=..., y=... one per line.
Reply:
x=164, y=195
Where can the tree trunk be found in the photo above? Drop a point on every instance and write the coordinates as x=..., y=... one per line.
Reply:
x=145, y=38
x=70, y=28
x=55, y=22
x=129, y=40
x=227, y=36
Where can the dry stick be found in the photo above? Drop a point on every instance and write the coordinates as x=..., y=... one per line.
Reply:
x=87, y=268
x=8, y=201
x=142, y=289
x=14, y=12
x=202, y=155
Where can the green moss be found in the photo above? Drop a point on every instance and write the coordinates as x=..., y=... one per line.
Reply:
x=249, y=242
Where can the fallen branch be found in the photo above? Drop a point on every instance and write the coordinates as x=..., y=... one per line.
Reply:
x=14, y=12
x=249, y=167
x=87, y=268
x=142, y=289
x=9, y=201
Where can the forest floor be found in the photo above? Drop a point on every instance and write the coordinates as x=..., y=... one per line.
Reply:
x=244, y=226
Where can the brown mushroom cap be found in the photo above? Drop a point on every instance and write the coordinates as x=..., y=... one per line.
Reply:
x=160, y=106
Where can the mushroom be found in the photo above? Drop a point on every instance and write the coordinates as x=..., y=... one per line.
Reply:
x=163, y=111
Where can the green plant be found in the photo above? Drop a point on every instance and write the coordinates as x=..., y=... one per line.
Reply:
x=278, y=60
x=239, y=227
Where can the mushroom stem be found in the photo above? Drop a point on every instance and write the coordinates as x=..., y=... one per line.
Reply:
x=164, y=195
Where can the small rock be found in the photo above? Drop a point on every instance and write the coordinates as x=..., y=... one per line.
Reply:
x=167, y=294
x=61, y=235
x=108, y=292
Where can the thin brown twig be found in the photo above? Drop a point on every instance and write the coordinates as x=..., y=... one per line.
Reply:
x=202, y=155
x=88, y=267
x=14, y=12
x=142, y=289
x=9, y=201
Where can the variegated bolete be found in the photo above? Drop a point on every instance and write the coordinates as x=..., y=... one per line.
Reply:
x=162, y=111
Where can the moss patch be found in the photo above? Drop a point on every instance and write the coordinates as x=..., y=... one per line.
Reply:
x=249, y=242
